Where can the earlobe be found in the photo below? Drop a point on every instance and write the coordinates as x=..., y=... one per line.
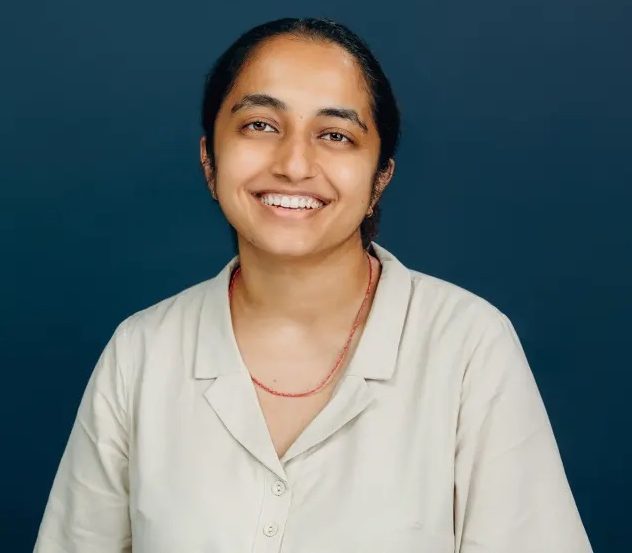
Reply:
x=211, y=187
x=384, y=178
x=204, y=160
x=210, y=181
x=387, y=174
x=206, y=166
x=203, y=152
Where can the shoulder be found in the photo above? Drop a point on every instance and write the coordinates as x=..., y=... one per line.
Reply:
x=433, y=298
x=453, y=315
x=456, y=323
x=164, y=323
x=452, y=299
x=175, y=307
x=438, y=311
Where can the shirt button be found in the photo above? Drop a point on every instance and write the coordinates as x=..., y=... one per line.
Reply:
x=270, y=529
x=278, y=488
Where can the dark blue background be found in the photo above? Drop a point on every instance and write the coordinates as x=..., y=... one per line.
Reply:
x=513, y=181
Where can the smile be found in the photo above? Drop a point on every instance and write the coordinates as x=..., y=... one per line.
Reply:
x=290, y=202
x=292, y=206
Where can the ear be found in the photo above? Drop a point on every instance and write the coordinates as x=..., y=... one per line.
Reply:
x=206, y=163
x=382, y=180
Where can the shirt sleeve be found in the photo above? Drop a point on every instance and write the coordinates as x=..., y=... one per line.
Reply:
x=87, y=509
x=511, y=491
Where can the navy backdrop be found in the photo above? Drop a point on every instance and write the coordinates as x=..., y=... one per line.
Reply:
x=513, y=181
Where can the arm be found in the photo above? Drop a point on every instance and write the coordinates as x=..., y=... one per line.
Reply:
x=87, y=509
x=511, y=490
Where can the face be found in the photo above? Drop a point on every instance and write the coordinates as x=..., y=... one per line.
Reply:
x=297, y=130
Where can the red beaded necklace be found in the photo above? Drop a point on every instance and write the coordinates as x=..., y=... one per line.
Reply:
x=342, y=353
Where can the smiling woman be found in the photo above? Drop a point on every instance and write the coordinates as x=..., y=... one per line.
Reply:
x=311, y=84
x=316, y=395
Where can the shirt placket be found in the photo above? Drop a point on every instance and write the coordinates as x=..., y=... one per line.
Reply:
x=275, y=509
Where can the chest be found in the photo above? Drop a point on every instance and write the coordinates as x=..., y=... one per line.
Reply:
x=287, y=417
x=370, y=476
x=293, y=366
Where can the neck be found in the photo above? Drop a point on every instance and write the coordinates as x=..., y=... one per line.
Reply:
x=308, y=290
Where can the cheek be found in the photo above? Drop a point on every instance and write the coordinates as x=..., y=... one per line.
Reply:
x=353, y=180
x=238, y=162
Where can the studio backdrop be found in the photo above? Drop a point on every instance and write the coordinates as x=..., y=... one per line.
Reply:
x=512, y=180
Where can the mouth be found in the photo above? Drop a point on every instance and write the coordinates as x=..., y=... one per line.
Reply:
x=294, y=206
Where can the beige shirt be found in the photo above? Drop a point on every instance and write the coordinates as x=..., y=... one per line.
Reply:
x=435, y=439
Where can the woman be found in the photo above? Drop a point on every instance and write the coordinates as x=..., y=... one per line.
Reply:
x=316, y=395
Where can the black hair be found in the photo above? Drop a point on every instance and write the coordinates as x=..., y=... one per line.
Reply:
x=223, y=74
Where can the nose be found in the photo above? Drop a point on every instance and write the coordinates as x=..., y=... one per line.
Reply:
x=294, y=159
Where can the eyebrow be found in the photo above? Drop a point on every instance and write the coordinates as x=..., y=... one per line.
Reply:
x=265, y=100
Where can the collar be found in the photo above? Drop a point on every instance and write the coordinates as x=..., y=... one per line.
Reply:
x=217, y=352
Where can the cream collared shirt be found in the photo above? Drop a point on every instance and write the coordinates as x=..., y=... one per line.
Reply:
x=435, y=439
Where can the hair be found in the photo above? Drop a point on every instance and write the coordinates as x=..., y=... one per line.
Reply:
x=223, y=75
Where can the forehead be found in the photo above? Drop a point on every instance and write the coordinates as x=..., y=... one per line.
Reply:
x=306, y=74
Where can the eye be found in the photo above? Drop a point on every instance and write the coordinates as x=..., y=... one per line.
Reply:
x=338, y=137
x=258, y=126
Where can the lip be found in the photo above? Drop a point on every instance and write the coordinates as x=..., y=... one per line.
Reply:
x=322, y=199
x=285, y=212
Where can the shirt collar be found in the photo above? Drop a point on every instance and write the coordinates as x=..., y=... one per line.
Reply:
x=217, y=353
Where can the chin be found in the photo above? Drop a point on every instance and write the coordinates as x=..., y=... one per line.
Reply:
x=288, y=251
x=289, y=248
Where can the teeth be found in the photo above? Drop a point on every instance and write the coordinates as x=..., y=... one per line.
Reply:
x=291, y=202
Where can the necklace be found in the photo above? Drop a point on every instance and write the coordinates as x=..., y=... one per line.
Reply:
x=342, y=353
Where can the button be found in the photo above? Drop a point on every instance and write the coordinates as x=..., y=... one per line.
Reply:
x=279, y=487
x=270, y=529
